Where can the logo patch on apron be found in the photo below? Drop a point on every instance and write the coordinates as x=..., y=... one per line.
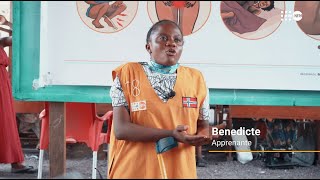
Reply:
x=189, y=102
x=138, y=106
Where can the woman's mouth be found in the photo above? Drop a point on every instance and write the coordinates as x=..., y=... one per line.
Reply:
x=171, y=52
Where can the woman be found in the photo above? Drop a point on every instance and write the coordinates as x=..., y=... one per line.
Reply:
x=155, y=100
x=10, y=151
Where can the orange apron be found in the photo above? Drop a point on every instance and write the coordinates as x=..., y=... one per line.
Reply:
x=129, y=159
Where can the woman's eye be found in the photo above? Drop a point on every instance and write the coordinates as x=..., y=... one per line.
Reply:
x=177, y=40
x=163, y=38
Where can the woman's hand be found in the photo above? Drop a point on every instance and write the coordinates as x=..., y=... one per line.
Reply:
x=182, y=136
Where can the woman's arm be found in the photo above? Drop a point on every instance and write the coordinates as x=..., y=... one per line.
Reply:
x=6, y=41
x=124, y=129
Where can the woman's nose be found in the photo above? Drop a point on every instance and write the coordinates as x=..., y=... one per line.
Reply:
x=171, y=43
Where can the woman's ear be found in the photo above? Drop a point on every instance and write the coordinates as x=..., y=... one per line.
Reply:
x=148, y=48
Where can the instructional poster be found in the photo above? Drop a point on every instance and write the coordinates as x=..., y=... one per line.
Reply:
x=235, y=44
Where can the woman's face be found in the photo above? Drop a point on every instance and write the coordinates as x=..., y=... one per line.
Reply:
x=166, y=44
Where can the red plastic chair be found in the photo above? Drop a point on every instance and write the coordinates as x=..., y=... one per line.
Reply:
x=82, y=125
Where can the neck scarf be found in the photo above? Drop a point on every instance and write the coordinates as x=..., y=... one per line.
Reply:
x=162, y=68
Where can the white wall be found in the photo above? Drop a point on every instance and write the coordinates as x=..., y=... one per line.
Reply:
x=73, y=54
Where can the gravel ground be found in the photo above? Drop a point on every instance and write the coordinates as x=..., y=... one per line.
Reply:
x=79, y=166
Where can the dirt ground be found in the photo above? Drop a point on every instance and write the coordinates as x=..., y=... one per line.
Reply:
x=79, y=162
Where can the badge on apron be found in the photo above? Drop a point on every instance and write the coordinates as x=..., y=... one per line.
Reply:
x=138, y=106
x=189, y=102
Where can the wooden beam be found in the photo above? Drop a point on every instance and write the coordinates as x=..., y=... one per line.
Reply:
x=57, y=142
